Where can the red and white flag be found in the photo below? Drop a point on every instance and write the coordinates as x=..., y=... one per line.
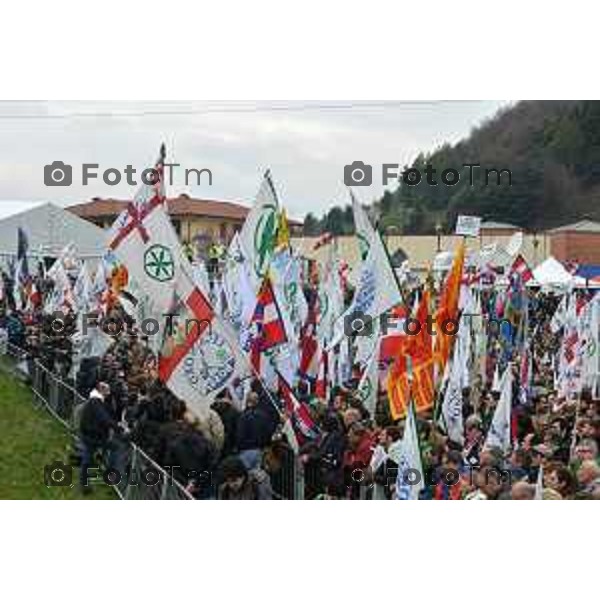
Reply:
x=144, y=241
x=520, y=268
x=199, y=356
x=268, y=328
x=309, y=345
x=298, y=416
x=322, y=382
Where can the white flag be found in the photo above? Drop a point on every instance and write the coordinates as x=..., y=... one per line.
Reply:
x=368, y=386
x=199, y=356
x=496, y=381
x=589, y=334
x=259, y=232
x=499, y=434
x=287, y=286
x=82, y=290
x=200, y=275
x=452, y=405
x=365, y=232
x=238, y=286
x=67, y=259
x=378, y=457
x=331, y=301
x=376, y=293
x=569, y=368
x=61, y=297
x=410, y=479
x=100, y=284
x=560, y=315
x=148, y=247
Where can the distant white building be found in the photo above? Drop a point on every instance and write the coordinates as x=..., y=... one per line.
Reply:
x=49, y=229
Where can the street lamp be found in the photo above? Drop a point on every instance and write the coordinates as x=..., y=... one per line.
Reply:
x=536, y=243
x=438, y=233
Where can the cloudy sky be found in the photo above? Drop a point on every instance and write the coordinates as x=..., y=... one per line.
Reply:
x=306, y=145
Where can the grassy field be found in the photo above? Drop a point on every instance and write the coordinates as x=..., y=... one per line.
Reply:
x=29, y=439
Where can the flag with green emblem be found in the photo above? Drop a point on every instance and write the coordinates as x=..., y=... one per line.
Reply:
x=258, y=237
x=368, y=387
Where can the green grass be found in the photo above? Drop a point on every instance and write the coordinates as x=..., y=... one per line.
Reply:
x=29, y=439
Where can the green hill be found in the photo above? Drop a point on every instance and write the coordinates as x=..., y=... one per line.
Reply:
x=29, y=439
x=552, y=149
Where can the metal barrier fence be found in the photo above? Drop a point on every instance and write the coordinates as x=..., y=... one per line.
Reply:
x=141, y=477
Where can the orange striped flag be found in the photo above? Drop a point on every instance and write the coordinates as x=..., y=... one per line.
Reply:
x=418, y=380
x=448, y=310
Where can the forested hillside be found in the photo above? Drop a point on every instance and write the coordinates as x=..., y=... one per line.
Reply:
x=552, y=149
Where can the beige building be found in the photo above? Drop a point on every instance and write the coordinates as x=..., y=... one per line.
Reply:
x=195, y=220
x=420, y=250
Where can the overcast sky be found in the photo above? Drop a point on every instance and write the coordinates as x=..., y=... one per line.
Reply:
x=306, y=145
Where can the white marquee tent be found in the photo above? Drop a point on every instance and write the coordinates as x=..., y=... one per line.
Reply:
x=552, y=273
x=49, y=229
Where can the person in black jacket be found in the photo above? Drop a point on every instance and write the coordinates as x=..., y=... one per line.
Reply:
x=324, y=459
x=255, y=430
x=96, y=425
x=191, y=458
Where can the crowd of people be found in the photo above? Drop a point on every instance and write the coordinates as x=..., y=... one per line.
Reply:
x=242, y=451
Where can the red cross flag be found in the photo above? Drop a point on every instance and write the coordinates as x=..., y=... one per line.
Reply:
x=199, y=356
x=145, y=242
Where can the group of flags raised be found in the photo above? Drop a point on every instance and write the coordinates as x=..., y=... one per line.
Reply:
x=257, y=322
x=146, y=261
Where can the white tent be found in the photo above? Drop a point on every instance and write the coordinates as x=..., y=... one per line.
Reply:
x=49, y=229
x=552, y=273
